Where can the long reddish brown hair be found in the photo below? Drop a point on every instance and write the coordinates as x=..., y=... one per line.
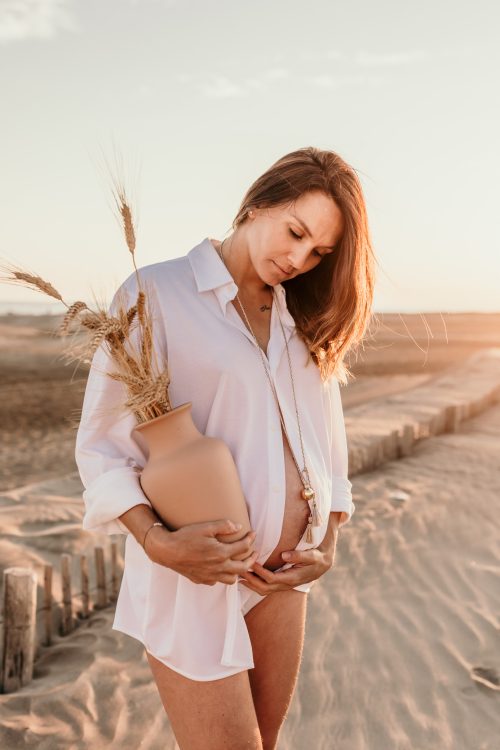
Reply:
x=331, y=304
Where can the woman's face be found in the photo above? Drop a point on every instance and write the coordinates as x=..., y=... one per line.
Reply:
x=287, y=241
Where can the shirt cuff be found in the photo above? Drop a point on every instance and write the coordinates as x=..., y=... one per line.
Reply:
x=342, y=498
x=110, y=495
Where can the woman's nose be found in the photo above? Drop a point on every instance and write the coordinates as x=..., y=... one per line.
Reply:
x=296, y=259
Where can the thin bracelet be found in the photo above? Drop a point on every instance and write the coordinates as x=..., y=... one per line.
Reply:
x=156, y=523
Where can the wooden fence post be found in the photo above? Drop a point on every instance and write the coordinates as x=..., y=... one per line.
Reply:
x=102, y=596
x=391, y=445
x=19, y=610
x=84, y=580
x=406, y=440
x=114, y=570
x=47, y=604
x=67, y=604
x=452, y=418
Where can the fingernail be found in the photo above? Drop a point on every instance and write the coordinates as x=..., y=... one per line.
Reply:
x=286, y=555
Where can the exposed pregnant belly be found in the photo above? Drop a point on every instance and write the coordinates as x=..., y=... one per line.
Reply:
x=296, y=511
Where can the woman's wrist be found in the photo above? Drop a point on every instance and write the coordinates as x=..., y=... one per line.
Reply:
x=138, y=520
x=336, y=517
x=158, y=545
x=329, y=542
x=148, y=531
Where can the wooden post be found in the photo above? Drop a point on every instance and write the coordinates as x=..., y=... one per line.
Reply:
x=464, y=411
x=114, y=570
x=84, y=578
x=19, y=609
x=355, y=460
x=47, y=604
x=474, y=407
x=436, y=424
x=452, y=418
x=67, y=604
x=406, y=440
x=380, y=452
x=391, y=446
x=102, y=596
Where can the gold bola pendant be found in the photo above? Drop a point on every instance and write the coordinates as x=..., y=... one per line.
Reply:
x=308, y=493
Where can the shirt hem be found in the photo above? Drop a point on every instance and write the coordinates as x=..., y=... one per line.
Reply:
x=182, y=672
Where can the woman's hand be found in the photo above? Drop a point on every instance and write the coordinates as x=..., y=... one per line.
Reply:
x=308, y=565
x=194, y=551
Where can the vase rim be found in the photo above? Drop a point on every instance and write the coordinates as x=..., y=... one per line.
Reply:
x=155, y=420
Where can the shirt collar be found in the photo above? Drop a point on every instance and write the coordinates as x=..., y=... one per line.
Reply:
x=211, y=273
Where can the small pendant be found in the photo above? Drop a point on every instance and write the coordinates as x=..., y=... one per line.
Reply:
x=308, y=493
x=316, y=515
x=309, y=535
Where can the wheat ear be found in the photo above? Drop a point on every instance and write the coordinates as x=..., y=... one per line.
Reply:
x=72, y=313
x=31, y=280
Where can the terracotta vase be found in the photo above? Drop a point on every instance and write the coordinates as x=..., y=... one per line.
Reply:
x=190, y=477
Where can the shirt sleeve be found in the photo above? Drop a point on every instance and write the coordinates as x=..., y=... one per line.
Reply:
x=108, y=457
x=341, y=486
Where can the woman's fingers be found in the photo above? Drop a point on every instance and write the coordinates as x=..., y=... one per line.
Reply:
x=241, y=566
x=281, y=579
x=242, y=547
x=264, y=573
x=258, y=584
x=228, y=578
x=255, y=583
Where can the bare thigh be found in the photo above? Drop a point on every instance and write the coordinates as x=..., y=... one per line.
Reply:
x=276, y=626
x=208, y=715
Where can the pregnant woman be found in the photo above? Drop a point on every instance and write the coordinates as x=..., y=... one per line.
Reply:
x=255, y=328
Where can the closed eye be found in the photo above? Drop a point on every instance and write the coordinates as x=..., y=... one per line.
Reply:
x=298, y=237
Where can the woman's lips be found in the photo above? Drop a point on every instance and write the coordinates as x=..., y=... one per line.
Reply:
x=282, y=271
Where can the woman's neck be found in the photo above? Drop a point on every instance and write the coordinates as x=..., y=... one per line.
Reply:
x=239, y=264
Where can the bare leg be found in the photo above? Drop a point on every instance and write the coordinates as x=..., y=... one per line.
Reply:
x=276, y=626
x=208, y=715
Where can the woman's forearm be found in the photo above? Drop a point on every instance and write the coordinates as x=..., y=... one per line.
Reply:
x=138, y=519
x=330, y=539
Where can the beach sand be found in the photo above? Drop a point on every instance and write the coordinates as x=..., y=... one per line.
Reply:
x=402, y=636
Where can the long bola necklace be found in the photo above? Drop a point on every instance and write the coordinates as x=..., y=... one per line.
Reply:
x=307, y=492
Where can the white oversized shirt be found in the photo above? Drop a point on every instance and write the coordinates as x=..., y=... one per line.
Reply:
x=197, y=629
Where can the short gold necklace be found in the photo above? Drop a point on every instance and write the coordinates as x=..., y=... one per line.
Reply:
x=307, y=492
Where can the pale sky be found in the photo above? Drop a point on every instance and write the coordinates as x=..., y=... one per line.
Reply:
x=201, y=96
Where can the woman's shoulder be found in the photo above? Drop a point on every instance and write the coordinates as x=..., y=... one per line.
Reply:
x=166, y=270
x=161, y=275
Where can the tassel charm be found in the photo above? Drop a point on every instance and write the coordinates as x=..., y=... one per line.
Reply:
x=316, y=515
x=309, y=535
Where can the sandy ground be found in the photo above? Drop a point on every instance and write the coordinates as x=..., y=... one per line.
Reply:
x=402, y=641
